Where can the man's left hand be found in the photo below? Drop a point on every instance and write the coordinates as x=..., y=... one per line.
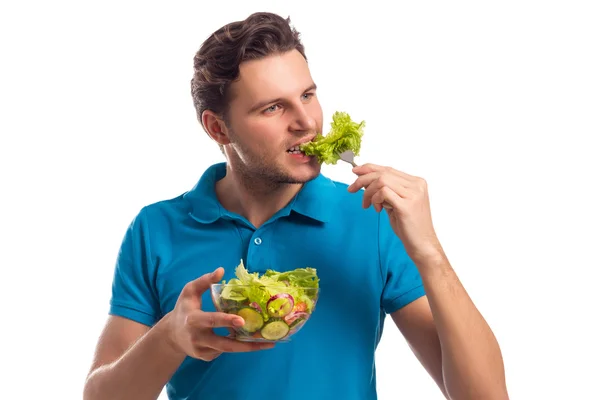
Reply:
x=406, y=200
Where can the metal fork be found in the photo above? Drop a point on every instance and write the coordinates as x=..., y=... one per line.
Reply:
x=348, y=156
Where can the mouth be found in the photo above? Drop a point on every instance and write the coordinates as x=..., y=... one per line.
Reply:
x=295, y=149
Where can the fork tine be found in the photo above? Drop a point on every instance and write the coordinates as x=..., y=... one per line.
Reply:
x=348, y=156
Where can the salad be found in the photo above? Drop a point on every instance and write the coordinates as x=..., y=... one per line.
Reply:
x=274, y=305
x=345, y=135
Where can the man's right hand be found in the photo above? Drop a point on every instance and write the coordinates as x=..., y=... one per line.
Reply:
x=190, y=330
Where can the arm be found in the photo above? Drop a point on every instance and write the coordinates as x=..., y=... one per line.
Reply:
x=131, y=361
x=135, y=362
x=451, y=339
x=445, y=330
x=416, y=324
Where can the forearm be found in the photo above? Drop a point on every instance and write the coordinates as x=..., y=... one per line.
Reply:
x=471, y=358
x=141, y=373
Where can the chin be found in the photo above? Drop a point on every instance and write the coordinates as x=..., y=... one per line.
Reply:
x=308, y=175
x=306, y=171
x=302, y=173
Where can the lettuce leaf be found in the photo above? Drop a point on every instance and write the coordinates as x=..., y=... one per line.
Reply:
x=249, y=287
x=300, y=277
x=345, y=135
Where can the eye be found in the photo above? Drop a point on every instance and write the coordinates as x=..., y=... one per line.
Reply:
x=271, y=109
x=307, y=96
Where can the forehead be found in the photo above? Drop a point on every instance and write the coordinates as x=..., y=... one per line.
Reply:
x=276, y=76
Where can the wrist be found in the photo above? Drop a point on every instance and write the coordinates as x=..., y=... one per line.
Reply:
x=429, y=255
x=167, y=334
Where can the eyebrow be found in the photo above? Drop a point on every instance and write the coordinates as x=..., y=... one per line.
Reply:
x=262, y=104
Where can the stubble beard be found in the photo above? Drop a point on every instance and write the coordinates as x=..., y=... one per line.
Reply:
x=259, y=173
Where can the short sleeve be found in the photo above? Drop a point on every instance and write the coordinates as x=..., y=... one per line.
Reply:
x=133, y=292
x=402, y=281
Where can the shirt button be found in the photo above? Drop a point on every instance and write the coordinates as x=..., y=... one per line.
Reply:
x=257, y=241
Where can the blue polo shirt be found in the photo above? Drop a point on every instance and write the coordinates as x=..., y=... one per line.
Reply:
x=364, y=274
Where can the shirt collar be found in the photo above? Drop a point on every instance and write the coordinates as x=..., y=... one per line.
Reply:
x=315, y=199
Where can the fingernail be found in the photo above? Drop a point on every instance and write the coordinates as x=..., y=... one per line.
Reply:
x=239, y=322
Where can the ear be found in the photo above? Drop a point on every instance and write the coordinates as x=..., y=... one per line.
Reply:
x=215, y=127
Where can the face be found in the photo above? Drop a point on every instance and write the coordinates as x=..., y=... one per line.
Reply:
x=274, y=108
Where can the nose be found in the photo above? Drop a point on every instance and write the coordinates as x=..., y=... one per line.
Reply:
x=302, y=121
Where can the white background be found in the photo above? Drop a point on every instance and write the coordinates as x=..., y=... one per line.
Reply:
x=496, y=104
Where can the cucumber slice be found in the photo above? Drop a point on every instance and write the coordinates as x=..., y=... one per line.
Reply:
x=253, y=320
x=275, y=330
x=298, y=322
x=231, y=305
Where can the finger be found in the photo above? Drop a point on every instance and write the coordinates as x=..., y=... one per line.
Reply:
x=363, y=181
x=230, y=345
x=199, y=319
x=369, y=168
x=386, y=198
x=201, y=285
x=391, y=181
x=206, y=353
x=368, y=179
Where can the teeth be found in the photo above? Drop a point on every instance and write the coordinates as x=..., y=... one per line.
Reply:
x=295, y=149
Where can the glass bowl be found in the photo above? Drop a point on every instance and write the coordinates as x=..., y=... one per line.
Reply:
x=271, y=313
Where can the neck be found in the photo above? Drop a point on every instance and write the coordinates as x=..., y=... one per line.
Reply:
x=254, y=199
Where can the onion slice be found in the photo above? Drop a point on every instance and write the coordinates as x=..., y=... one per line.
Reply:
x=281, y=308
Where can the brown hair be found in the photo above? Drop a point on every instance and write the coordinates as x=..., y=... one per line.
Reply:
x=216, y=64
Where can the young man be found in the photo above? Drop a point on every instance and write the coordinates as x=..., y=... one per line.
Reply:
x=272, y=207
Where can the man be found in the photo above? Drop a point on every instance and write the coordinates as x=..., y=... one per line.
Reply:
x=375, y=252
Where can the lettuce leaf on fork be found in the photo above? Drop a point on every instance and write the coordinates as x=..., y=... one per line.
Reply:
x=345, y=135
